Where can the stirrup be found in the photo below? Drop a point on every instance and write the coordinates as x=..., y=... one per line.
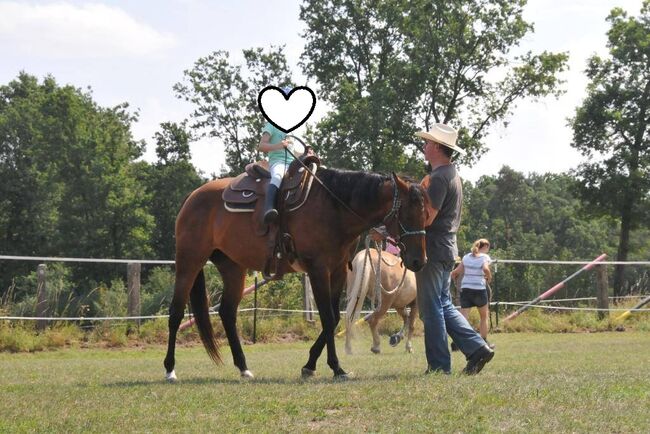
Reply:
x=271, y=267
x=271, y=216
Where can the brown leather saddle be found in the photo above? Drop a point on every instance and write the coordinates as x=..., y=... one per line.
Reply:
x=244, y=191
x=246, y=194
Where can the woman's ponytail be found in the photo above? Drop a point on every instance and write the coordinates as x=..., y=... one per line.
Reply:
x=479, y=244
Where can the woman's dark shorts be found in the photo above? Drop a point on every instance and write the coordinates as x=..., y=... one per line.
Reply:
x=473, y=297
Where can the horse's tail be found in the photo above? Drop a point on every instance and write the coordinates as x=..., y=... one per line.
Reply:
x=199, y=300
x=357, y=288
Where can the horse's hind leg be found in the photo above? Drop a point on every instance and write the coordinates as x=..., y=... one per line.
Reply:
x=185, y=279
x=373, y=323
x=233, y=276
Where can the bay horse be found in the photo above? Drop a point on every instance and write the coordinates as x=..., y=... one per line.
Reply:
x=398, y=290
x=341, y=206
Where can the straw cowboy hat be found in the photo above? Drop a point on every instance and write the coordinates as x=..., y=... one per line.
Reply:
x=442, y=134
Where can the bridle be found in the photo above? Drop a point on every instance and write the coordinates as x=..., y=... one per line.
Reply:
x=394, y=214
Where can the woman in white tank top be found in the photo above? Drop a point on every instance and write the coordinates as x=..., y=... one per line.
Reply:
x=475, y=269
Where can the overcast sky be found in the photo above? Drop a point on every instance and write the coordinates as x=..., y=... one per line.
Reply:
x=135, y=51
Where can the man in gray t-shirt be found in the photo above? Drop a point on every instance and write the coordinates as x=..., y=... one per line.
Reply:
x=437, y=313
x=446, y=193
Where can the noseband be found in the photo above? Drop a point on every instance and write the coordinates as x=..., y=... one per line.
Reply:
x=394, y=213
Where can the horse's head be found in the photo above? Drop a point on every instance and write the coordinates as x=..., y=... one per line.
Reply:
x=406, y=222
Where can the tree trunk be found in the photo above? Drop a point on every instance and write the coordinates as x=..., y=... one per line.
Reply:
x=623, y=249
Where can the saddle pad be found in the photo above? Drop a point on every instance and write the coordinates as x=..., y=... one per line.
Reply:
x=240, y=207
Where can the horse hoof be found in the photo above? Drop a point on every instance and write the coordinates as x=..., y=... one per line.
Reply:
x=247, y=375
x=409, y=350
x=171, y=377
x=344, y=376
x=307, y=373
x=375, y=350
x=394, y=340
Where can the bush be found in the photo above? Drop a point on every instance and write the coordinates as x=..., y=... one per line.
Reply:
x=19, y=338
x=156, y=293
x=110, y=335
x=278, y=328
x=282, y=327
x=63, y=335
x=111, y=302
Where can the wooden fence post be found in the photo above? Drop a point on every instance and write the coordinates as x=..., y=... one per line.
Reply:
x=602, y=290
x=133, y=285
x=41, y=296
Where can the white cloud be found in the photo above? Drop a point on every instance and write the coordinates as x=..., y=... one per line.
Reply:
x=64, y=30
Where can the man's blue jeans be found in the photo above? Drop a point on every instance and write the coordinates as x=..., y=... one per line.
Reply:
x=440, y=317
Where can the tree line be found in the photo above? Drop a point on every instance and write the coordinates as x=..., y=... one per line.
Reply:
x=72, y=181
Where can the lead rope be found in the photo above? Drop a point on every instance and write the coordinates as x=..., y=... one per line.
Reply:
x=378, y=271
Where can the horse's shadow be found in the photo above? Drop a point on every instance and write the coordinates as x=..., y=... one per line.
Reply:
x=256, y=381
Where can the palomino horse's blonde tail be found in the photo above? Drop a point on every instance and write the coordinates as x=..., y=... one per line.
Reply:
x=358, y=282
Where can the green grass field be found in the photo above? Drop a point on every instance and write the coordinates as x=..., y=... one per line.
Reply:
x=592, y=382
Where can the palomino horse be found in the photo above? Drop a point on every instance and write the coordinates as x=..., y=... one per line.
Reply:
x=398, y=290
x=324, y=229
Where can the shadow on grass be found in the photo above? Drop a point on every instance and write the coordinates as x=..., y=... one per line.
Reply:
x=262, y=381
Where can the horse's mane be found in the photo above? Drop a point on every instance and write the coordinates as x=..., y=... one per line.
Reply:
x=353, y=187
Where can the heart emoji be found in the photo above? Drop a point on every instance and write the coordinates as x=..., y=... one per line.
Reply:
x=286, y=111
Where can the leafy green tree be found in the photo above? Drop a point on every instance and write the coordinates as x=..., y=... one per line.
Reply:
x=168, y=182
x=612, y=125
x=533, y=217
x=28, y=198
x=224, y=96
x=386, y=66
x=67, y=186
x=103, y=210
x=354, y=49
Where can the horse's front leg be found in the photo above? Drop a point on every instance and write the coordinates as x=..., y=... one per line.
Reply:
x=411, y=322
x=337, y=283
x=329, y=315
x=397, y=337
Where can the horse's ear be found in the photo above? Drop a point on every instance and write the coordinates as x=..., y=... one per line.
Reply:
x=400, y=183
x=425, y=182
